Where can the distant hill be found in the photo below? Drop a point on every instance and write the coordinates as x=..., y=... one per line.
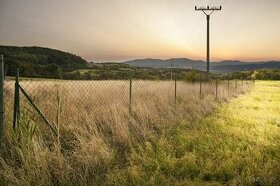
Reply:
x=243, y=66
x=159, y=63
x=38, y=61
x=217, y=67
x=42, y=62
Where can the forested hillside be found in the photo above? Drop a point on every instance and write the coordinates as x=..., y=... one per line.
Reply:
x=38, y=61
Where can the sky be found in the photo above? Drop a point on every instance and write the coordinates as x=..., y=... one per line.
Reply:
x=119, y=30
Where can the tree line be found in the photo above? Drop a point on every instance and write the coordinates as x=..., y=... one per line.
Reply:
x=38, y=62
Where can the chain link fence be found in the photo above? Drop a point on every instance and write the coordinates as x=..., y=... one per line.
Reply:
x=63, y=101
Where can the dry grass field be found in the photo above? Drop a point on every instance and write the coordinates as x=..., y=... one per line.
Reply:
x=100, y=141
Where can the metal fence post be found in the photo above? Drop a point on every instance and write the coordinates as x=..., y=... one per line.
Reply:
x=175, y=90
x=200, y=88
x=228, y=86
x=216, y=88
x=130, y=93
x=16, y=101
x=1, y=97
x=236, y=85
x=37, y=110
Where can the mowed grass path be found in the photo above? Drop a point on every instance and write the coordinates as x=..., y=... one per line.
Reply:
x=239, y=144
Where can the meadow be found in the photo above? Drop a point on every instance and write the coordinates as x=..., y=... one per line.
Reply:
x=197, y=139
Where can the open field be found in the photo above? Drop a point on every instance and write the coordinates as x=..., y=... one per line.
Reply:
x=198, y=140
x=86, y=99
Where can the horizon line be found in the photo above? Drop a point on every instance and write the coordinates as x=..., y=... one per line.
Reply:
x=146, y=58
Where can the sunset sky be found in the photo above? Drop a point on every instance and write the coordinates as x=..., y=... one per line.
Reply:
x=119, y=30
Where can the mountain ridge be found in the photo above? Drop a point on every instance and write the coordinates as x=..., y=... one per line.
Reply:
x=32, y=59
x=217, y=67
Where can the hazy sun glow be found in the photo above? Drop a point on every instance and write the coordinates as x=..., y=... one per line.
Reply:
x=117, y=30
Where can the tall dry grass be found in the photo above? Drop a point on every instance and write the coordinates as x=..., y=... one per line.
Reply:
x=97, y=131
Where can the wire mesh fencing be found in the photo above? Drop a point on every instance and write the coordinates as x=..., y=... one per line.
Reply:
x=65, y=102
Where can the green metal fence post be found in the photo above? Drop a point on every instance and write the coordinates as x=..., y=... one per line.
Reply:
x=216, y=88
x=1, y=97
x=228, y=86
x=16, y=101
x=130, y=93
x=37, y=110
x=175, y=90
x=200, y=88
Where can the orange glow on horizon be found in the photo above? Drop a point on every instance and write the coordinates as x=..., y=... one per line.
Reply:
x=115, y=30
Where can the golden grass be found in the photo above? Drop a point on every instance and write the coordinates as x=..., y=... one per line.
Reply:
x=98, y=135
